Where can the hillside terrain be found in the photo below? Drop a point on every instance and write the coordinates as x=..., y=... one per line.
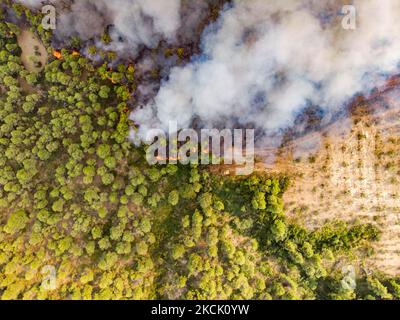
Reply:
x=84, y=216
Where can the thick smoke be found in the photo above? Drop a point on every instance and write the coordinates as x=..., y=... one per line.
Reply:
x=32, y=3
x=134, y=22
x=264, y=62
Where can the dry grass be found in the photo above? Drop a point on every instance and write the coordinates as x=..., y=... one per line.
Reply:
x=354, y=177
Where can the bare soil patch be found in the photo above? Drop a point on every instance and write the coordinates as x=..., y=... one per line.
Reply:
x=354, y=176
x=34, y=55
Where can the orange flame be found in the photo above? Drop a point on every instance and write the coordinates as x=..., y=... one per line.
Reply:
x=159, y=158
x=57, y=54
x=111, y=79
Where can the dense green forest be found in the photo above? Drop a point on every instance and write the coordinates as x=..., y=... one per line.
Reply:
x=77, y=196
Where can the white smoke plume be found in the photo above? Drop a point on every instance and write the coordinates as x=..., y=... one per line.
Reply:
x=264, y=61
x=32, y=3
x=135, y=22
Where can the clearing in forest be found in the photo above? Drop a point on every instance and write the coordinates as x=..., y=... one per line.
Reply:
x=34, y=55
